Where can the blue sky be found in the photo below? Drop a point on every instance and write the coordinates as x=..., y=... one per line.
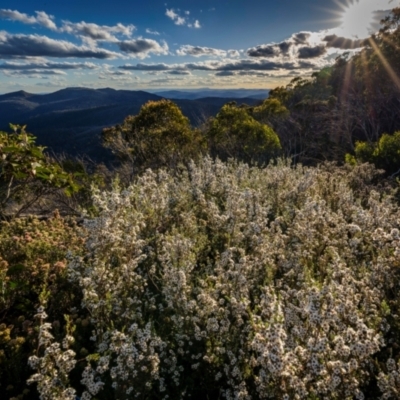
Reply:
x=49, y=45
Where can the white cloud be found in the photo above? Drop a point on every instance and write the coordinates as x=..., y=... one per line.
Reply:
x=42, y=46
x=13, y=66
x=177, y=72
x=233, y=53
x=175, y=17
x=45, y=20
x=183, y=21
x=117, y=75
x=97, y=32
x=226, y=65
x=195, y=25
x=150, y=32
x=141, y=48
x=41, y=18
x=286, y=48
x=34, y=73
x=197, y=51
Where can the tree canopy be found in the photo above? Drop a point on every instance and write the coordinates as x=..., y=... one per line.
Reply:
x=235, y=133
x=355, y=100
x=160, y=135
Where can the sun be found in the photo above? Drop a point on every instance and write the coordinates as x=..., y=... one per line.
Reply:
x=358, y=18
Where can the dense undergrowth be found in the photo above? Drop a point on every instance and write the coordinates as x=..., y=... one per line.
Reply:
x=220, y=281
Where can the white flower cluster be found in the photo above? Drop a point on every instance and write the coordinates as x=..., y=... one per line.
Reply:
x=239, y=281
x=389, y=383
x=54, y=365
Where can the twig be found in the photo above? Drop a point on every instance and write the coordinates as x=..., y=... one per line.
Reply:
x=396, y=173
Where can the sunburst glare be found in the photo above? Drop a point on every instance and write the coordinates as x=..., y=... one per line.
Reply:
x=359, y=18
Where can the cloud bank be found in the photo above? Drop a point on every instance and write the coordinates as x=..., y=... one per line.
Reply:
x=42, y=46
x=227, y=65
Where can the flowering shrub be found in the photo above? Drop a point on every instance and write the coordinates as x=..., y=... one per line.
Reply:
x=240, y=283
x=32, y=265
x=55, y=365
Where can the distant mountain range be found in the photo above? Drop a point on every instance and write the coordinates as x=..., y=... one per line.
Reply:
x=194, y=94
x=71, y=120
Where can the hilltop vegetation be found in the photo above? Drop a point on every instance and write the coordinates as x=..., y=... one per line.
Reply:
x=254, y=256
x=353, y=102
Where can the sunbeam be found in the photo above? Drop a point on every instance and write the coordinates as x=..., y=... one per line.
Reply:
x=358, y=18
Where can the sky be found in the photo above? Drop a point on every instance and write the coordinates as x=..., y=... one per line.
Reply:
x=180, y=44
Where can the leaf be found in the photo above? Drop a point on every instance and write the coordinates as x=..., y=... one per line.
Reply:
x=13, y=285
x=11, y=149
x=93, y=357
x=15, y=269
x=14, y=127
x=20, y=175
x=36, y=152
x=68, y=191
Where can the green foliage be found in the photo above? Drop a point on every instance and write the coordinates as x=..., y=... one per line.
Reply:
x=270, y=109
x=235, y=133
x=160, y=135
x=350, y=159
x=384, y=154
x=26, y=173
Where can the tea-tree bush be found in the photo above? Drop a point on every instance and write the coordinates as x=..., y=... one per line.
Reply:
x=226, y=281
x=32, y=268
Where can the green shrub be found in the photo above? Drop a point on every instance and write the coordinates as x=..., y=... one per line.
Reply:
x=384, y=154
x=27, y=175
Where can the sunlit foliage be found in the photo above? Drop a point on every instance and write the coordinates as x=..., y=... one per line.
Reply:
x=159, y=136
x=385, y=153
x=235, y=133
